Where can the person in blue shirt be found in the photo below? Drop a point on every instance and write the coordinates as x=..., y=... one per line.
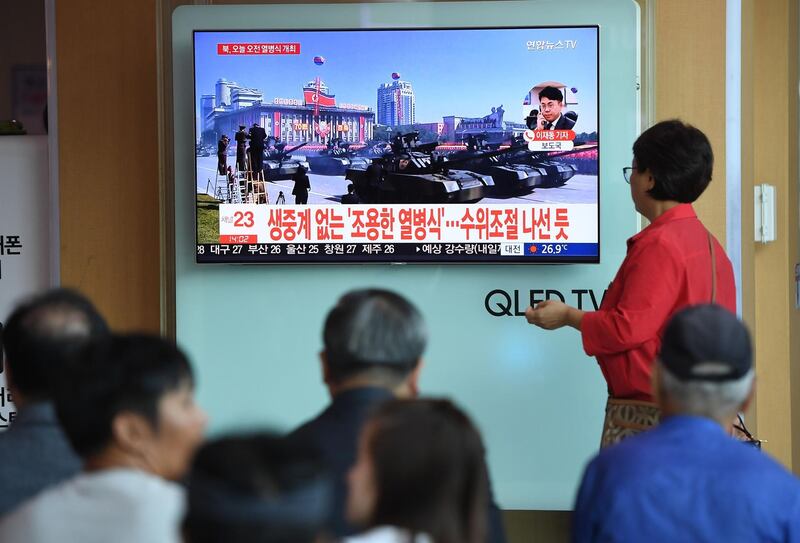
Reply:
x=687, y=479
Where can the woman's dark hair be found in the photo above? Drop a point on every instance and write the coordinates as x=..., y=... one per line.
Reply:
x=429, y=469
x=679, y=158
x=257, y=488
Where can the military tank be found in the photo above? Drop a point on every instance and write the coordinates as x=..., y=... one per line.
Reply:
x=374, y=149
x=510, y=179
x=335, y=159
x=279, y=163
x=552, y=173
x=409, y=173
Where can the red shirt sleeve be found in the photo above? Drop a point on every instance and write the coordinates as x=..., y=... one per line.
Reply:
x=650, y=287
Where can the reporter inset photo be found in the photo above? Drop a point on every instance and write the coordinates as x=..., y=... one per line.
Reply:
x=550, y=105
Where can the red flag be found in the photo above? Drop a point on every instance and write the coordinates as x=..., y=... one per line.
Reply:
x=325, y=100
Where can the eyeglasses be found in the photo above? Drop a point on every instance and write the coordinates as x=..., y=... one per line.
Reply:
x=626, y=173
x=749, y=438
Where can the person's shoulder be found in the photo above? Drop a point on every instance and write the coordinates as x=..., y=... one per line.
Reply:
x=659, y=242
x=762, y=479
x=628, y=456
x=160, y=499
x=7, y=439
x=16, y=525
x=131, y=488
x=31, y=460
x=760, y=465
x=566, y=122
x=153, y=506
x=311, y=430
x=38, y=510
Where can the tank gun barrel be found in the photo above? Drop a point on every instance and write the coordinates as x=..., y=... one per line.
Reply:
x=426, y=147
x=479, y=155
x=293, y=149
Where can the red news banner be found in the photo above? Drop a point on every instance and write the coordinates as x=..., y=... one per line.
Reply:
x=258, y=48
x=549, y=140
x=398, y=223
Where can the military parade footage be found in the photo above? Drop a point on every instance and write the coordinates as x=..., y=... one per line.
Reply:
x=397, y=145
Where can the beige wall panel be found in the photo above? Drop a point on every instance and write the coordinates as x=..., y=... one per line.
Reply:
x=774, y=125
x=791, y=214
x=690, y=85
x=108, y=155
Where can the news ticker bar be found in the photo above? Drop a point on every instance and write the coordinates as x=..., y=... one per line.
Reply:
x=398, y=252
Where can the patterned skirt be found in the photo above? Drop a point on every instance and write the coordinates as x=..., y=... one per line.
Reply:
x=626, y=418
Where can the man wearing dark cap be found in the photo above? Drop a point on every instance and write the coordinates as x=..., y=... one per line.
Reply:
x=257, y=142
x=222, y=154
x=241, y=148
x=39, y=338
x=687, y=479
x=373, y=345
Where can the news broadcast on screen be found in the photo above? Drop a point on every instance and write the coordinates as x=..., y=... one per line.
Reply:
x=415, y=145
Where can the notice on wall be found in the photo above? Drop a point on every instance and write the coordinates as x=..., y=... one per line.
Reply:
x=24, y=233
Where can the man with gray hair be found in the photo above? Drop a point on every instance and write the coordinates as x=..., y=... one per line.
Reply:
x=373, y=345
x=39, y=338
x=687, y=479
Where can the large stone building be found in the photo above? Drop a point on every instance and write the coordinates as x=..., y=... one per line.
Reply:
x=314, y=118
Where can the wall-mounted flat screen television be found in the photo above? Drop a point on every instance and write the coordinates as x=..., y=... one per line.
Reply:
x=397, y=145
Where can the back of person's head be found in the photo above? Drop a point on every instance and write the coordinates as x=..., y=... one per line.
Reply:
x=42, y=334
x=679, y=158
x=132, y=394
x=421, y=467
x=374, y=333
x=705, y=363
x=257, y=488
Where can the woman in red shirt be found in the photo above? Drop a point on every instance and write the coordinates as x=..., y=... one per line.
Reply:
x=673, y=263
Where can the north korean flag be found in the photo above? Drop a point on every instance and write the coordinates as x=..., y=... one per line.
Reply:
x=325, y=100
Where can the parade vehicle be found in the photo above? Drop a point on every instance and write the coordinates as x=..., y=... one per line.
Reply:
x=374, y=149
x=553, y=173
x=509, y=179
x=279, y=162
x=336, y=158
x=410, y=173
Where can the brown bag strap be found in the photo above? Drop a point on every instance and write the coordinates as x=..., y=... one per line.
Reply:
x=713, y=268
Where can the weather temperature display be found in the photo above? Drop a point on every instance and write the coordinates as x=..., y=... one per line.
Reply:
x=549, y=250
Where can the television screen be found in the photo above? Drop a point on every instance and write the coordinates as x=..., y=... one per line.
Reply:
x=387, y=145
